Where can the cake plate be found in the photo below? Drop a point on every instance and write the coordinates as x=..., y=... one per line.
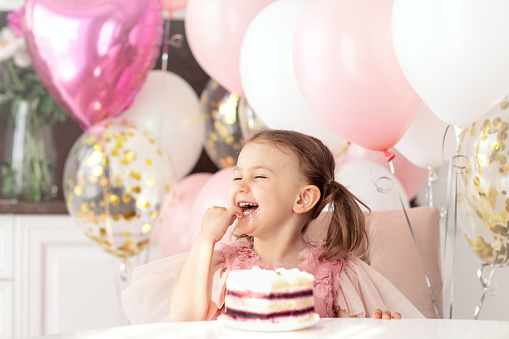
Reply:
x=268, y=327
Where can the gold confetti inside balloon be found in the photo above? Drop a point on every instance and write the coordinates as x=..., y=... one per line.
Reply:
x=485, y=180
x=482, y=242
x=223, y=136
x=115, y=179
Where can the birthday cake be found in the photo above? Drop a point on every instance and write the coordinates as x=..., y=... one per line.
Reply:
x=272, y=296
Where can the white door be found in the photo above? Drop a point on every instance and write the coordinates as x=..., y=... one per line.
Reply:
x=65, y=282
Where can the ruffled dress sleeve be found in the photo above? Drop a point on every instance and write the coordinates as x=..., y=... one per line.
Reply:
x=359, y=290
x=147, y=299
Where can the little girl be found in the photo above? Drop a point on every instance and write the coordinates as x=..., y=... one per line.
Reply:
x=283, y=180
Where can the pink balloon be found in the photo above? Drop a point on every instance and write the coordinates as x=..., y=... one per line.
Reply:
x=215, y=30
x=175, y=233
x=215, y=192
x=347, y=70
x=93, y=55
x=173, y=5
x=410, y=176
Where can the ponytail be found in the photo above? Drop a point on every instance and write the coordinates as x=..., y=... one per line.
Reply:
x=347, y=223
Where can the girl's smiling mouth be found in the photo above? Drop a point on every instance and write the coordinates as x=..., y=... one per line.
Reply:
x=247, y=208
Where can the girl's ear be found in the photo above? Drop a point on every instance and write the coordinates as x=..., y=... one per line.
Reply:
x=307, y=199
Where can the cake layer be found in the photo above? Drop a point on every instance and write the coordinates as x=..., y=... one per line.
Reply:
x=263, y=306
x=272, y=295
x=294, y=314
x=269, y=281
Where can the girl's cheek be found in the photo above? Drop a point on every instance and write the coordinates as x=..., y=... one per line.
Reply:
x=231, y=194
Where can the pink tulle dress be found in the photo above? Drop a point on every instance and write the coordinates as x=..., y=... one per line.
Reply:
x=348, y=284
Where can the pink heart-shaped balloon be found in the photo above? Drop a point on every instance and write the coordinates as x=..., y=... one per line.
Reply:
x=93, y=55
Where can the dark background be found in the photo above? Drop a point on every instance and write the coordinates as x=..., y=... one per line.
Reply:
x=180, y=61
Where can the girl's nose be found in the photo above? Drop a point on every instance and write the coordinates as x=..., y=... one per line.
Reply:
x=241, y=186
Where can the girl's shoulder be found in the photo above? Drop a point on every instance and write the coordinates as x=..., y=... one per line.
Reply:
x=312, y=263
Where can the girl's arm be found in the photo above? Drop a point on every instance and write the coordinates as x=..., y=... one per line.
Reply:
x=191, y=295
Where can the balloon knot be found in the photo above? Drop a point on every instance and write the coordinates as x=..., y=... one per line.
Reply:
x=389, y=155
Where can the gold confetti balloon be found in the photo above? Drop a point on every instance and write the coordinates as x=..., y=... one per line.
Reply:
x=485, y=180
x=116, y=178
x=223, y=136
x=483, y=243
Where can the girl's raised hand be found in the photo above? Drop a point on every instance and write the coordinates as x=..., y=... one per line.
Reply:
x=378, y=314
x=216, y=220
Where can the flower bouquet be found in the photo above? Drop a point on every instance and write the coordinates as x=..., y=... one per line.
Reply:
x=27, y=171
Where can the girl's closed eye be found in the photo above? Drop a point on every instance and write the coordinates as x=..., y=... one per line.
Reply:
x=260, y=177
x=237, y=179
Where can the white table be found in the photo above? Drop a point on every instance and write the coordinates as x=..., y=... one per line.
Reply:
x=325, y=328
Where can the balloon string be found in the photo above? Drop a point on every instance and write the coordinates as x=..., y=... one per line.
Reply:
x=428, y=282
x=443, y=143
x=432, y=177
x=121, y=282
x=455, y=233
x=448, y=197
x=446, y=230
x=124, y=269
x=447, y=210
x=456, y=163
x=166, y=39
x=429, y=188
x=486, y=283
x=164, y=68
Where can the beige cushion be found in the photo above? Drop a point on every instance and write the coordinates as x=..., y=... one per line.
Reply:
x=392, y=252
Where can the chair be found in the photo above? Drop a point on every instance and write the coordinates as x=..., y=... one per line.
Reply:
x=392, y=252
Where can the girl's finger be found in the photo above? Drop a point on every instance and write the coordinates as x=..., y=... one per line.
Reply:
x=235, y=212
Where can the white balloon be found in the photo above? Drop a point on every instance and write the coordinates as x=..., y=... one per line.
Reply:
x=373, y=185
x=268, y=77
x=168, y=107
x=426, y=143
x=454, y=54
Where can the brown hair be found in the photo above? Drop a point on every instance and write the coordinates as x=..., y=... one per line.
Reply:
x=317, y=166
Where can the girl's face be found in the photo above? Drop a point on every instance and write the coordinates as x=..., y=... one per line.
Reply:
x=266, y=186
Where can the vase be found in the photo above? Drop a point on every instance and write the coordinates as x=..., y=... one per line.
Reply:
x=29, y=164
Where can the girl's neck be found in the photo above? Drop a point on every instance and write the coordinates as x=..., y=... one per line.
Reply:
x=283, y=251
